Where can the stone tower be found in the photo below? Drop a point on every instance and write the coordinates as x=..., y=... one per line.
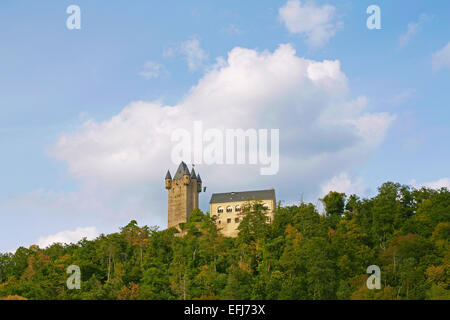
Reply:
x=183, y=194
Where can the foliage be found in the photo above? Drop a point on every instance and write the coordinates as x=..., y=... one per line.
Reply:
x=301, y=254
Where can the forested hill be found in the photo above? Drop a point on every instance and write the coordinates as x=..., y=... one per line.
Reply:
x=301, y=255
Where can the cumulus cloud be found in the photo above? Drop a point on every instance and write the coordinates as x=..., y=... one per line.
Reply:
x=345, y=184
x=192, y=52
x=441, y=58
x=322, y=132
x=438, y=184
x=68, y=236
x=152, y=70
x=317, y=24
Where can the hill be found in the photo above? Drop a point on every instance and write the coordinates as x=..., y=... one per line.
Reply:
x=301, y=255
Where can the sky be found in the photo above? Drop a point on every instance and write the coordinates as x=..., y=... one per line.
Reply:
x=86, y=115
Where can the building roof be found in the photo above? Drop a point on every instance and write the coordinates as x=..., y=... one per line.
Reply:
x=193, y=174
x=181, y=171
x=168, y=176
x=243, y=196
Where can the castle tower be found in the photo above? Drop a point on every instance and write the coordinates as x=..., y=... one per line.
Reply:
x=183, y=194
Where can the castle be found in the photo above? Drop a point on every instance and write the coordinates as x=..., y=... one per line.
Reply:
x=183, y=194
x=227, y=208
x=184, y=189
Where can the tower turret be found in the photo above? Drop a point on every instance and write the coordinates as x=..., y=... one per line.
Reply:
x=186, y=178
x=183, y=194
x=168, y=180
x=199, y=183
x=193, y=174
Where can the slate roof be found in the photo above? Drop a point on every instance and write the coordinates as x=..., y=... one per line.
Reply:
x=243, y=196
x=193, y=174
x=181, y=171
x=168, y=176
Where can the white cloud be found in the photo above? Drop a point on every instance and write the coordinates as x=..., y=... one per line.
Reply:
x=68, y=236
x=441, y=58
x=404, y=38
x=152, y=70
x=403, y=96
x=438, y=184
x=192, y=52
x=121, y=162
x=412, y=29
x=344, y=184
x=316, y=23
x=232, y=30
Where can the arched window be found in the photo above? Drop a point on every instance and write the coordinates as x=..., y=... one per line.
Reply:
x=237, y=208
x=266, y=206
x=229, y=209
x=220, y=210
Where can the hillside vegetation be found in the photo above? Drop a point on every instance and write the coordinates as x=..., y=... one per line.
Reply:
x=301, y=255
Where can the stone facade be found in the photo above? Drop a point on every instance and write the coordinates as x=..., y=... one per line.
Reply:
x=227, y=208
x=183, y=194
x=184, y=189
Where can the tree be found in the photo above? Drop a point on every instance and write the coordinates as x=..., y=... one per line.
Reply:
x=300, y=255
x=334, y=203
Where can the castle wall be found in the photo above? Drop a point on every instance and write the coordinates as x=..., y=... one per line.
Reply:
x=228, y=222
x=194, y=194
x=183, y=199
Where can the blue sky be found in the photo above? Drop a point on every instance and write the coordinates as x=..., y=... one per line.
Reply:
x=52, y=80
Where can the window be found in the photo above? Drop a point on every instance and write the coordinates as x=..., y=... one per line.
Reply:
x=229, y=209
x=236, y=220
x=237, y=208
x=220, y=210
x=228, y=220
x=266, y=206
x=219, y=221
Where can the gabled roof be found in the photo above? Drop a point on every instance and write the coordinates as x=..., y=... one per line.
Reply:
x=243, y=196
x=181, y=171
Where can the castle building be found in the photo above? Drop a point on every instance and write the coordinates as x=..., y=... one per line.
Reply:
x=227, y=208
x=183, y=194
